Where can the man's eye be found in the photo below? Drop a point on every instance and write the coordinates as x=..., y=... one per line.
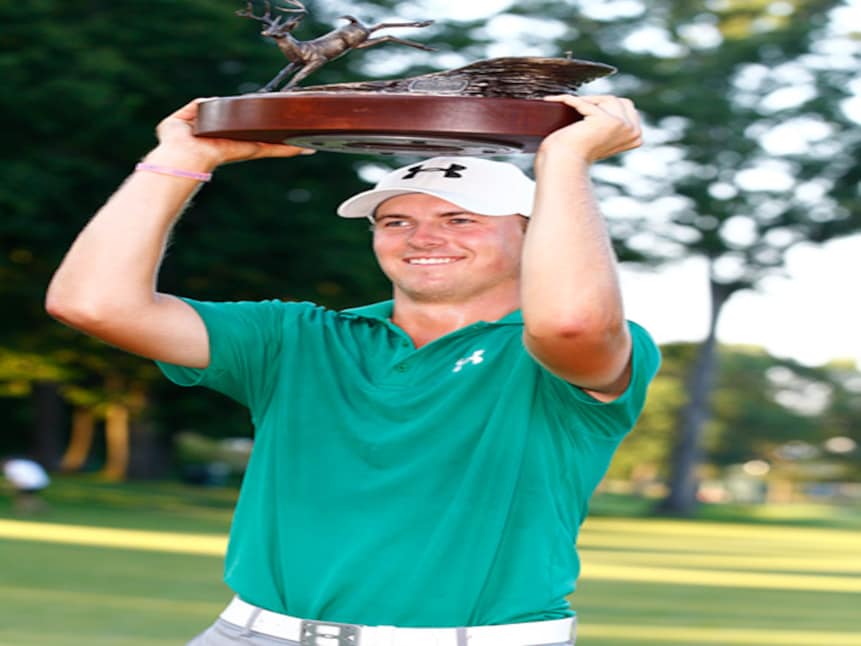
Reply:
x=394, y=224
x=461, y=220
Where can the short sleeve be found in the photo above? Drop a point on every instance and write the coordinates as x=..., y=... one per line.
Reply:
x=617, y=417
x=245, y=346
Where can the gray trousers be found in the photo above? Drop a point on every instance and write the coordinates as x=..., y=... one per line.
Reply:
x=222, y=633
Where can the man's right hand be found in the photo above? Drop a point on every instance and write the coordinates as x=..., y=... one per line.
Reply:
x=177, y=139
x=105, y=285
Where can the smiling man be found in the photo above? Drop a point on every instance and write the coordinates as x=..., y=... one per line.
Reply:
x=443, y=253
x=423, y=482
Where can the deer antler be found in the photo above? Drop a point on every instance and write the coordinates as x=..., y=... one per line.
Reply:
x=248, y=12
x=300, y=8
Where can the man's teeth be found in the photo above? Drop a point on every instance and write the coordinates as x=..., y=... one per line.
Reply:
x=430, y=261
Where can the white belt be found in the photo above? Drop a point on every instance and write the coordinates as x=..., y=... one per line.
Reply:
x=321, y=633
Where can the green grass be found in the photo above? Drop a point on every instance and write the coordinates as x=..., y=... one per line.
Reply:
x=652, y=581
x=68, y=594
x=785, y=581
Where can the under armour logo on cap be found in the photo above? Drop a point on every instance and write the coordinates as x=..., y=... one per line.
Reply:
x=451, y=171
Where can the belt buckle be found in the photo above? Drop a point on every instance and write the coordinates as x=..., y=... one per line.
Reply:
x=320, y=633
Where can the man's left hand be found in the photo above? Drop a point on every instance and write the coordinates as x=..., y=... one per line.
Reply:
x=610, y=125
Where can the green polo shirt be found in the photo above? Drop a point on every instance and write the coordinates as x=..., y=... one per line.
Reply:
x=438, y=486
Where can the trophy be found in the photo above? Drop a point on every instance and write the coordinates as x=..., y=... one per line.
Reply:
x=490, y=107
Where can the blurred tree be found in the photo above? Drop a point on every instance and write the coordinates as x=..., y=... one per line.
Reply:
x=752, y=415
x=762, y=404
x=841, y=419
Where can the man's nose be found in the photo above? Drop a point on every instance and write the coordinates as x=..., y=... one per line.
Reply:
x=426, y=234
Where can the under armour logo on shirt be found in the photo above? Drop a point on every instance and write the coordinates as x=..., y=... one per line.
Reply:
x=475, y=358
x=451, y=171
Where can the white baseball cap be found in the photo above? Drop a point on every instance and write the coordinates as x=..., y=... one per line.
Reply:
x=478, y=185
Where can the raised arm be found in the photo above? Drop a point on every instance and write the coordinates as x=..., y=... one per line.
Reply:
x=105, y=285
x=572, y=305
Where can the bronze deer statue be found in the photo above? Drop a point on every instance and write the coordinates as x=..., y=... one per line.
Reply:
x=309, y=56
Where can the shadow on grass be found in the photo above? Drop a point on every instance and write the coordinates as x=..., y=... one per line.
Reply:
x=837, y=516
x=86, y=500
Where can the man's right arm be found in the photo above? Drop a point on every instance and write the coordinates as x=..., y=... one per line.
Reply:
x=105, y=285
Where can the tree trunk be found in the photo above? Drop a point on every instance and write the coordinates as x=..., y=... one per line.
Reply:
x=116, y=442
x=80, y=440
x=46, y=444
x=687, y=452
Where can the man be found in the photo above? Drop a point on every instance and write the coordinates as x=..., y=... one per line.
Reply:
x=422, y=466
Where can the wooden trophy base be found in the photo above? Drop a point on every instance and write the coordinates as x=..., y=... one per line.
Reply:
x=386, y=124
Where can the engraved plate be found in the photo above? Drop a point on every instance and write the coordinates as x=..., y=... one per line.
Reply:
x=439, y=85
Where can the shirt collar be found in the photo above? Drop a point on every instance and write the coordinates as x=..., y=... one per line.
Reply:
x=383, y=312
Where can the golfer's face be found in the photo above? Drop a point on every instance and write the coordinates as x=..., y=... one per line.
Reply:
x=433, y=250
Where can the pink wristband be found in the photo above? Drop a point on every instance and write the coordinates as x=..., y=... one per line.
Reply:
x=175, y=172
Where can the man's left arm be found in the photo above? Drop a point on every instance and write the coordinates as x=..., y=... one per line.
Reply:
x=574, y=321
